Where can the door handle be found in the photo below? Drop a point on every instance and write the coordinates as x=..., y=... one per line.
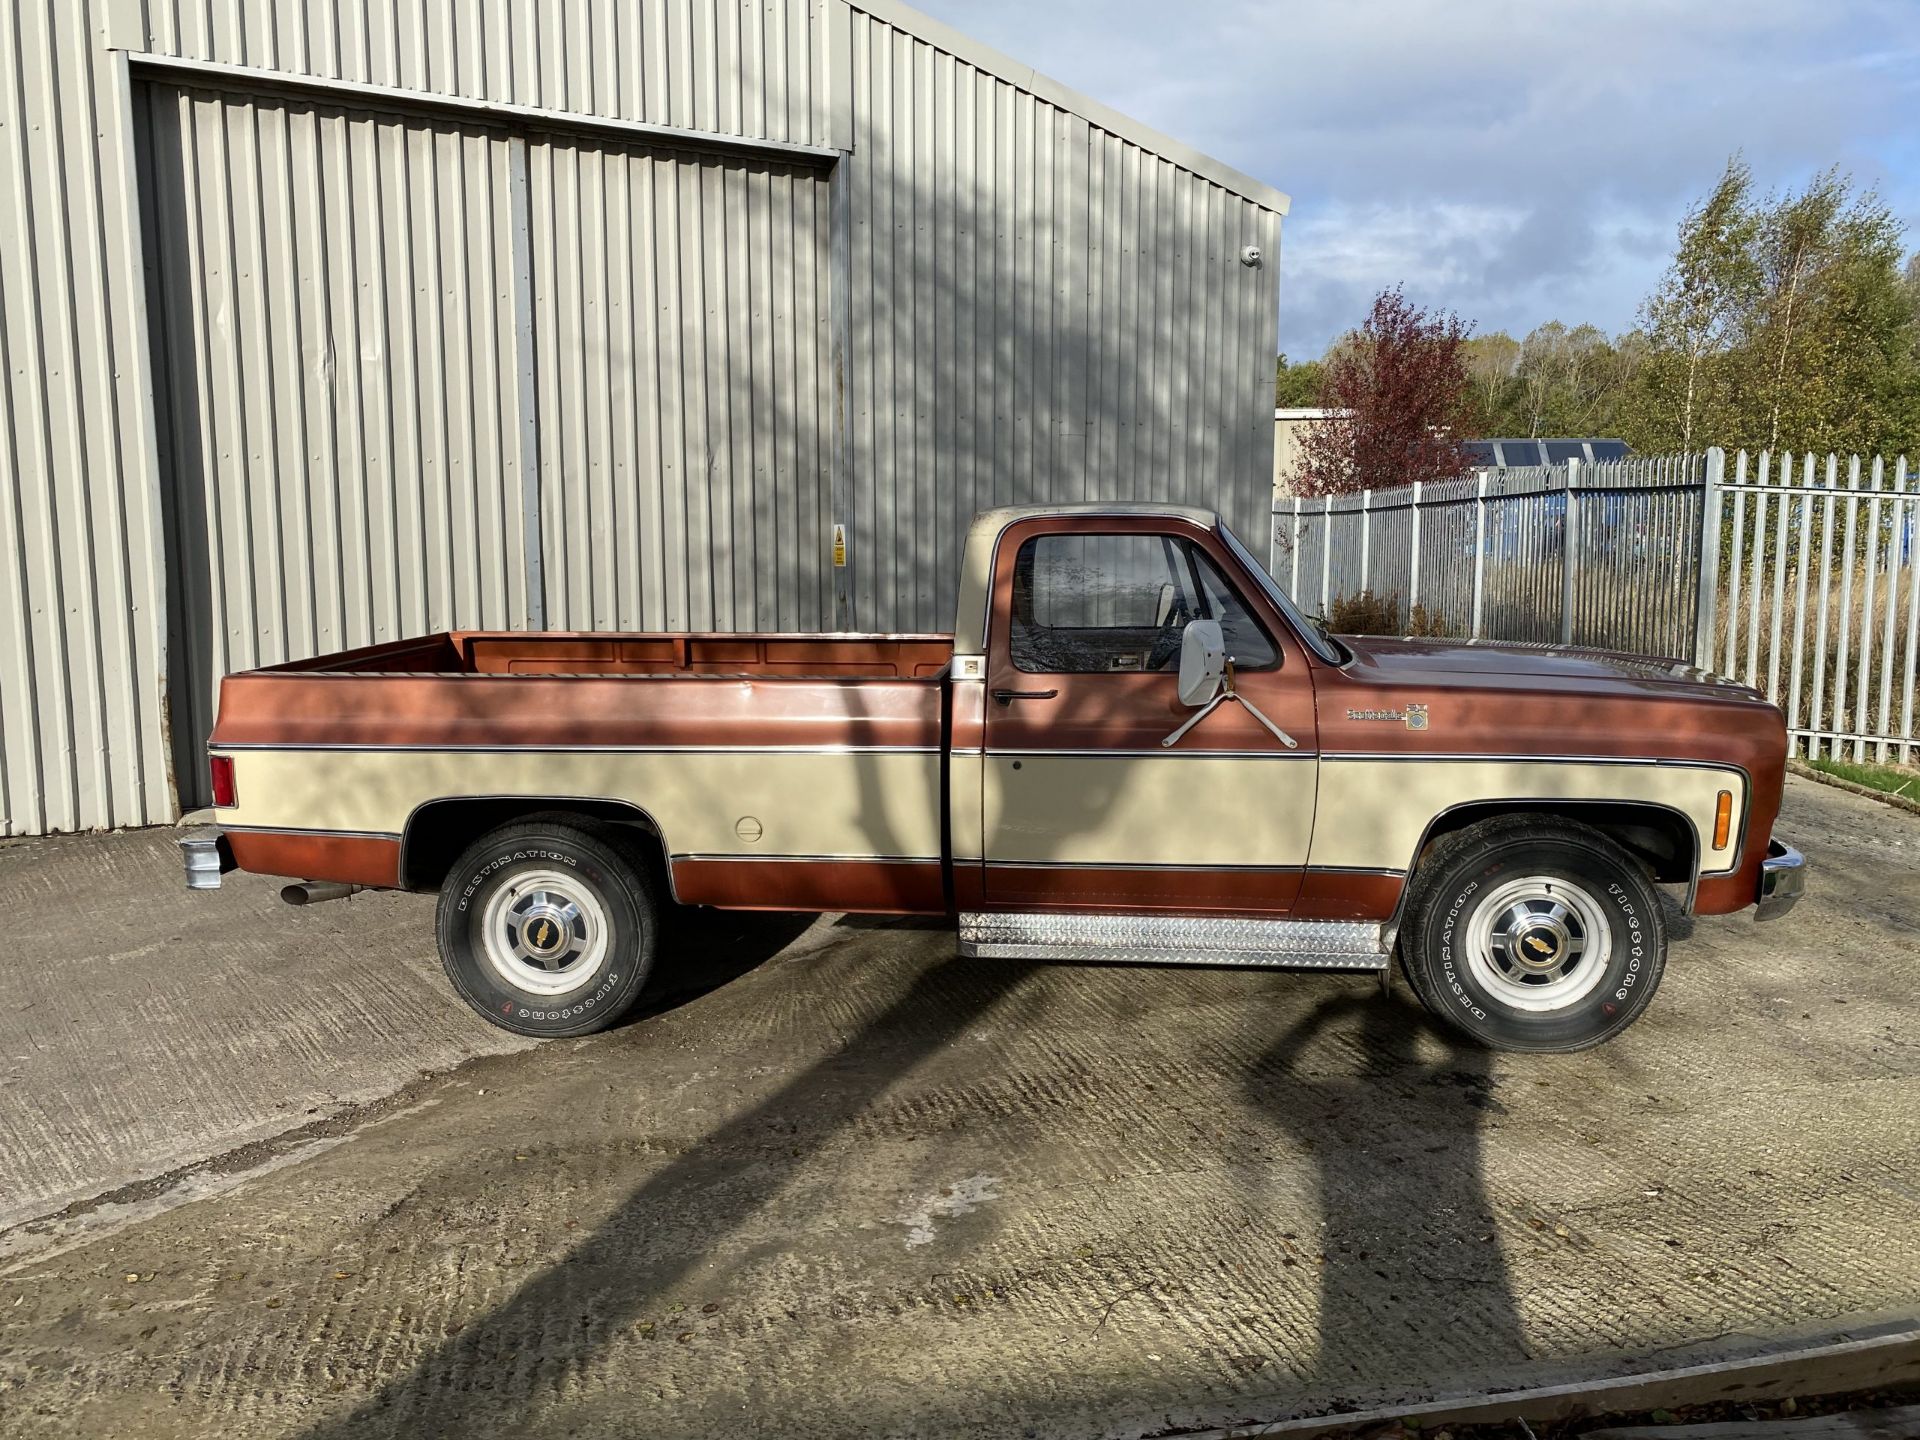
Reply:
x=1007, y=697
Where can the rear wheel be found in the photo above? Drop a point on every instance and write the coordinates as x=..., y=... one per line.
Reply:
x=1533, y=934
x=547, y=927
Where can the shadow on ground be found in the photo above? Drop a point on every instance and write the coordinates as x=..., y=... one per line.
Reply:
x=612, y=1276
x=1392, y=1123
x=701, y=951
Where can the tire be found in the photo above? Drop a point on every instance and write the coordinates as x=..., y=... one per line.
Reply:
x=1533, y=934
x=548, y=927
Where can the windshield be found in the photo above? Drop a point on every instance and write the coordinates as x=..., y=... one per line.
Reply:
x=1316, y=635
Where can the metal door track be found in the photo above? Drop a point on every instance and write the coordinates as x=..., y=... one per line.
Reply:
x=1176, y=940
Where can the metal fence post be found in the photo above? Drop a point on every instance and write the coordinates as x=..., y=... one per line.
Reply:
x=1479, y=553
x=1413, y=556
x=1326, y=557
x=1366, y=535
x=1293, y=588
x=1569, y=553
x=1707, y=561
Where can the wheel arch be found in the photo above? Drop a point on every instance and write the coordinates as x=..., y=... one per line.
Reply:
x=437, y=831
x=1663, y=836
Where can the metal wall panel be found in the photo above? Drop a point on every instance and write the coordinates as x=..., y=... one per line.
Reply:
x=1041, y=306
x=339, y=381
x=1042, y=310
x=1027, y=297
x=716, y=65
x=680, y=316
x=82, y=732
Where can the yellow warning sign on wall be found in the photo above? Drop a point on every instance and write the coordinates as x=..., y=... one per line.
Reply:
x=839, y=547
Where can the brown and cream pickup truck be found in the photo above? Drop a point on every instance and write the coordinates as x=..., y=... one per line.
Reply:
x=1133, y=747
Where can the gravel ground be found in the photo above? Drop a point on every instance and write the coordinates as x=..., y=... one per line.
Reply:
x=837, y=1182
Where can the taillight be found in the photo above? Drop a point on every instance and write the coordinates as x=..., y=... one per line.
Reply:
x=220, y=769
x=1723, y=820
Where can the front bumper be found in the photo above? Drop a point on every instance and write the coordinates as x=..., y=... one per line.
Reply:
x=1783, y=880
x=207, y=856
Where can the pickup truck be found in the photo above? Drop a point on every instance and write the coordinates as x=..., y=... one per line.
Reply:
x=1134, y=747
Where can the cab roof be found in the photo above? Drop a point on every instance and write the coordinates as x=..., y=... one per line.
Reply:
x=1007, y=514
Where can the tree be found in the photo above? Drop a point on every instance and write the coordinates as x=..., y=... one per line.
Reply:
x=1570, y=380
x=1397, y=395
x=1828, y=358
x=1297, y=386
x=1694, y=317
x=1490, y=360
x=1784, y=324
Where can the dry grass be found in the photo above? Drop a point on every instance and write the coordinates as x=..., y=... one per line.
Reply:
x=1371, y=614
x=1849, y=624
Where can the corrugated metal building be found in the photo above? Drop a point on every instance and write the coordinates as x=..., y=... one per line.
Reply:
x=325, y=323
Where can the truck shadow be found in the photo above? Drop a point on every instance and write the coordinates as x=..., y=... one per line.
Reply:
x=615, y=1274
x=703, y=950
x=1391, y=1108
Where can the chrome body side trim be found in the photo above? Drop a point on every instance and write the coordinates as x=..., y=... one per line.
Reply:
x=843, y=859
x=1156, y=753
x=309, y=830
x=1150, y=866
x=437, y=748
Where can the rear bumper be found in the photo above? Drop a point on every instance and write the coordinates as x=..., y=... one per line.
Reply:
x=207, y=856
x=1783, y=880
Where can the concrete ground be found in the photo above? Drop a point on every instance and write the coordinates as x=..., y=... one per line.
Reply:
x=836, y=1182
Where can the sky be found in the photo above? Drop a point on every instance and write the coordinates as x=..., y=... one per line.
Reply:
x=1515, y=161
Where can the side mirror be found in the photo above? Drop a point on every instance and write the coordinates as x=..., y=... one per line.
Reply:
x=1203, y=661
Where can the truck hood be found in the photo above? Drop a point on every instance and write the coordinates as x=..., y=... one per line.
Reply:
x=1458, y=664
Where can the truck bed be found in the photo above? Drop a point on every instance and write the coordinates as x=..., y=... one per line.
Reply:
x=512, y=652
x=779, y=771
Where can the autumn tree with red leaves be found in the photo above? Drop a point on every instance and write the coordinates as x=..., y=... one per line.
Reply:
x=1396, y=392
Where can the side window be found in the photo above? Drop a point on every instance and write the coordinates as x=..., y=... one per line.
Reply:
x=1247, y=643
x=1093, y=604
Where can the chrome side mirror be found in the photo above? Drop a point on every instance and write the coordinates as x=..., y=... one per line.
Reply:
x=1206, y=681
x=1203, y=661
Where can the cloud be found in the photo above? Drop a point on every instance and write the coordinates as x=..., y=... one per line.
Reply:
x=1514, y=160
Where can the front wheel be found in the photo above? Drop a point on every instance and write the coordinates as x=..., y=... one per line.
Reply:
x=547, y=928
x=1533, y=934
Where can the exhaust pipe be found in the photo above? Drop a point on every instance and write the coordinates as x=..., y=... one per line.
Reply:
x=312, y=892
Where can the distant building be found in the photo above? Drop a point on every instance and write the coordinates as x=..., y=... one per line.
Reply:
x=1289, y=429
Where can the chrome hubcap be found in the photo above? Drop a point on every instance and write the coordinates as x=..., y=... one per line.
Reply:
x=1538, y=943
x=545, y=932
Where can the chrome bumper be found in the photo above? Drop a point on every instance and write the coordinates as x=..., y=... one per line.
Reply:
x=207, y=857
x=1783, y=880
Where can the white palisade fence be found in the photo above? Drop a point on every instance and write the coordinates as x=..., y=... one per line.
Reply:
x=1811, y=569
x=1818, y=602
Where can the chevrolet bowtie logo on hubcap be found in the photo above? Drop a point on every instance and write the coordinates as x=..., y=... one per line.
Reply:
x=1539, y=949
x=543, y=935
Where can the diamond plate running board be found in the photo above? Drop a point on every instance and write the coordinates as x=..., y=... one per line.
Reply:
x=1176, y=940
